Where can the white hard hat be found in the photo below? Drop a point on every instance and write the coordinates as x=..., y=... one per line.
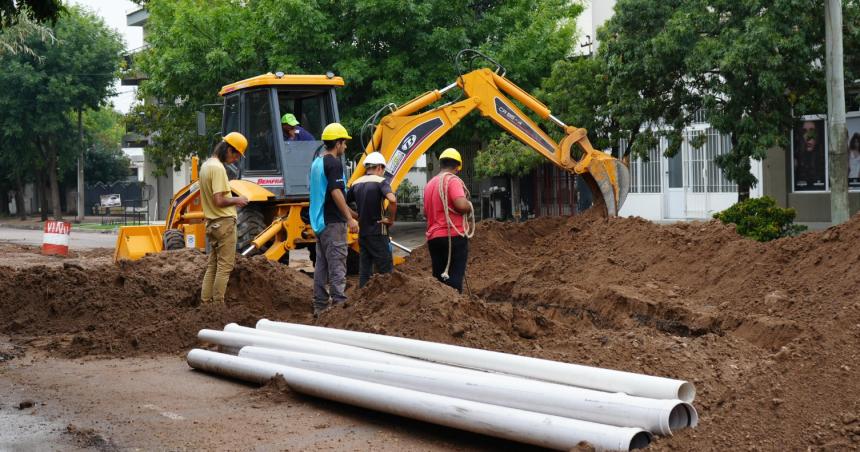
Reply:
x=374, y=158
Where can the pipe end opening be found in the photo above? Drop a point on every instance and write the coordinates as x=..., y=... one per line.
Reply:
x=640, y=440
x=687, y=392
x=683, y=415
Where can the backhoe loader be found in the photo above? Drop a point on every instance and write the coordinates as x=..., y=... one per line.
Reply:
x=274, y=173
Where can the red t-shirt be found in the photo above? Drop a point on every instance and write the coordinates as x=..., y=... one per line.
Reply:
x=436, y=224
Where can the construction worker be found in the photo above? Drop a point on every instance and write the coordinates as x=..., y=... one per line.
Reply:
x=369, y=193
x=292, y=130
x=330, y=219
x=446, y=203
x=219, y=209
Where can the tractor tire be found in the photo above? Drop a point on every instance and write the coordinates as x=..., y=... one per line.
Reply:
x=173, y=239
x=249, y=224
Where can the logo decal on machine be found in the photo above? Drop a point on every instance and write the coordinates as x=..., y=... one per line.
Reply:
x=265, y=180
x=410, y=142
x=510, y=115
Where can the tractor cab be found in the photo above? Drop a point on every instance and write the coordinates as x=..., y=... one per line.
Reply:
x=255, y=106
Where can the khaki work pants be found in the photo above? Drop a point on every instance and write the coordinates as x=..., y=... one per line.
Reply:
x=221, y=237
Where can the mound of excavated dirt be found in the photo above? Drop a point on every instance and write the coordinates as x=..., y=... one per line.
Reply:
x=768, y=332
x=145, y=306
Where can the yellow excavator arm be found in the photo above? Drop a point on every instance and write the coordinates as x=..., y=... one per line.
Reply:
x=405, y=134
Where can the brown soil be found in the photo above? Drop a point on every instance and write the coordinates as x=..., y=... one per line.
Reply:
x=769, y=333
x=146, y=306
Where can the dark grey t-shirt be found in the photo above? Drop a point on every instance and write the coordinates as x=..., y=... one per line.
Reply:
x=368, y=192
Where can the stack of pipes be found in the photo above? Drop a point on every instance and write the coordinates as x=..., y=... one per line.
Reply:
x=530, y=400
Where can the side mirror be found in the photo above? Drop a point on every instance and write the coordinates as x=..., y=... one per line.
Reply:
x=201, y=123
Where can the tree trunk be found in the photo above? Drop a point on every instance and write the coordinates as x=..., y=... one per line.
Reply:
x=4, y=209
x=42, y=188
x=515, y=198
x=50, y=153
x=19, y=198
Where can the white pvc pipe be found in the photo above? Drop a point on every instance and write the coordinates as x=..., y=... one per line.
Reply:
x=542, y=369
x=234, y=341
x=660, y=416
x=509, y=423
x=655, y=415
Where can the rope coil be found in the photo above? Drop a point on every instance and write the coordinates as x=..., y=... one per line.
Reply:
x=469, y=218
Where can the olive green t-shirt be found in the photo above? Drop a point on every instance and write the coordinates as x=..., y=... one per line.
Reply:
x=213, y=179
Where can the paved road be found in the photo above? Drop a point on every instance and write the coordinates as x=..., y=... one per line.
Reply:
x=409, y=234
x=77, y=239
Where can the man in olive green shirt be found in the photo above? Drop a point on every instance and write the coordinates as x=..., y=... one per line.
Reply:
x=219, y=209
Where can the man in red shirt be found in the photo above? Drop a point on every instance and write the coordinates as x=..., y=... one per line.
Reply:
x=446, y=202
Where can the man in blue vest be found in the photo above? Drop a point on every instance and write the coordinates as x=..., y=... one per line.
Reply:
x=330, y=219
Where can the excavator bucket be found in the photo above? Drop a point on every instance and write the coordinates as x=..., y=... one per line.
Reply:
x=609, y=180
x=135, y=242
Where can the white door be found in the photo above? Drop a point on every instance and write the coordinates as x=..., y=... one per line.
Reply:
x=674, y=187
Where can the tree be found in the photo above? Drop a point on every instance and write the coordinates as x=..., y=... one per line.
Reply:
x=36, y=10
x=75, y=72
x=15, y=31
x=507, y=156
x=749, y=65
x=104, y=160
x=388, y=52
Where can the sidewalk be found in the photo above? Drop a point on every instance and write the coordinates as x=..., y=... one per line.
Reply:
x=91, y=223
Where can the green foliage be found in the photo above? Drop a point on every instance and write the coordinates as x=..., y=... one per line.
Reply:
x=30, y=10
x=506, y=156
x=18, y=30
x=407, y=192
x=750, y=65
x=761, y=219
x=388, y=51
x=75, y=71
x=104, y=160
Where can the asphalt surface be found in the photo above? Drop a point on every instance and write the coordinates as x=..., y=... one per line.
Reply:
x=77, y=239
x=409, y=234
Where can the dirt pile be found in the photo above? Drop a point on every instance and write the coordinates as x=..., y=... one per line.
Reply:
x=146, y=306
x=769, y=333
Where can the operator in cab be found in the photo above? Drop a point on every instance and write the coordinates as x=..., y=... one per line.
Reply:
x=293, y=131
x=369, y=193
x=330, y=219
x=219, y=210
x=446, y=206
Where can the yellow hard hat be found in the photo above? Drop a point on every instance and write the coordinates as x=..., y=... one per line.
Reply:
x=238, y=141
x=452, y=154
x=335, y=131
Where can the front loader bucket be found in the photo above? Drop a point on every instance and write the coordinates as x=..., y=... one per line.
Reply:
x=609, y=178
x=135, y=242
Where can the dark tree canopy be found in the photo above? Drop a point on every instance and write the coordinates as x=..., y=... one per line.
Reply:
x=38, y=10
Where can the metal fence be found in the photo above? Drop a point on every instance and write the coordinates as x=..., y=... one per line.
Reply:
x=645, y=175
x=702, y=173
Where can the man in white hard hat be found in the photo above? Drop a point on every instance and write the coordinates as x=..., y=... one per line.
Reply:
x=369, y=192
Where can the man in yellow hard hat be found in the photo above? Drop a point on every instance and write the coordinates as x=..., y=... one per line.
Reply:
x=330, y=219
x=219, y=209
x=446, y=202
